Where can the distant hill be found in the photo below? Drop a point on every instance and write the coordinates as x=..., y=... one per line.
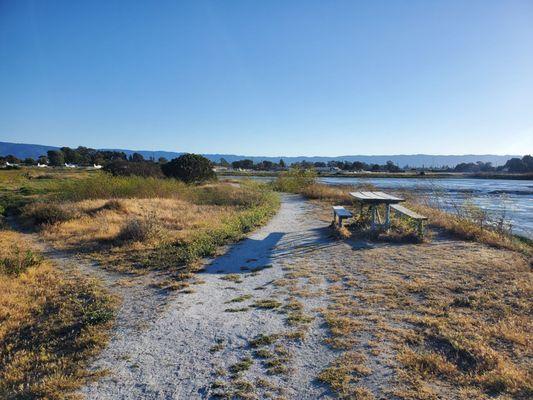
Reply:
x=22, y=150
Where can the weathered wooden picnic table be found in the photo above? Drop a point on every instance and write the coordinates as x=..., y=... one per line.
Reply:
x=373, y=200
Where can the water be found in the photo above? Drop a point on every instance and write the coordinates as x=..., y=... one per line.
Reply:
x=496, y=196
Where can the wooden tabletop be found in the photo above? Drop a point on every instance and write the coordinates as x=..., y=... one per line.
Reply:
x=375, y=198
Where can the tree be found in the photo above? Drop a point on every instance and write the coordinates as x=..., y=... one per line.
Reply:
x=243, y=164
x=12, y=159
x=190, y=168
x=136, y=157
x=42, y=160
x=162, y=160
x=265, y=166
x=391, y=167
x=71, y=156
x=56, y=158
x=223, y=162
x=29, y=161
x=281, y=163
x=359, y=166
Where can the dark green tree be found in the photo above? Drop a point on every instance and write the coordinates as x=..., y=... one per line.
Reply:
x=190, y=168
x=136, y=157
x=56, y=158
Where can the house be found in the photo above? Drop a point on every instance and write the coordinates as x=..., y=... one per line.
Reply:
x=67, y=165
x=41, y=165
x=97, y=166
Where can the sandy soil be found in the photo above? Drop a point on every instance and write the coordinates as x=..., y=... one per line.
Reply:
x=172, y=357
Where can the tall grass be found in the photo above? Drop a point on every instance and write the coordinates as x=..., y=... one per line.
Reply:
x=149, y=222
x=105, y=186
x=50, y=324
x=205, y=243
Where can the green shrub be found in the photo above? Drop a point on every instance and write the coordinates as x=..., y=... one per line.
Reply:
x=190, y=168
x=19, y=261
x=295, y=180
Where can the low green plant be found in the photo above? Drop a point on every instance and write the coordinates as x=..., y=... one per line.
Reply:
x=18, y=261
x=294, y=180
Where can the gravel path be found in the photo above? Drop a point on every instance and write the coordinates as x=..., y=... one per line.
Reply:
x=174, y=357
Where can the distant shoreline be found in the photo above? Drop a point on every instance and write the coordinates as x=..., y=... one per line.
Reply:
x=406, y=175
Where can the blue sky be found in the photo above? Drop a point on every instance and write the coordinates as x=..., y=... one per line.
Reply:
x=269, y=77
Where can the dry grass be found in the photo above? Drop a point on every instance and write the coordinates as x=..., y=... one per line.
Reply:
x=51, y=324
x=343, y=374
x=451, y=318
x=130, y=220
x=134, y=233
x=469, y=230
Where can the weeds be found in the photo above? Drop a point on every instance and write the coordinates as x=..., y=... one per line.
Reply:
x=267, y=304
x=242, y=365
x=240, y=299
x=51, y=325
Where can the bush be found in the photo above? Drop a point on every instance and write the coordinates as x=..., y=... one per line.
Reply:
x=190, y=168
x=145, y=229
x=18, y=261
x=126, y=168
x=48, y=213
x=295, y=180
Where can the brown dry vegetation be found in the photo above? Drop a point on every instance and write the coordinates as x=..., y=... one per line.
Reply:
x=447, y=319
x=136, y=223
x=50, y=324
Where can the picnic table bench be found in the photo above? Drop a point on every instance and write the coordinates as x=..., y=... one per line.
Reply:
x=340, y=213
x=404, y=211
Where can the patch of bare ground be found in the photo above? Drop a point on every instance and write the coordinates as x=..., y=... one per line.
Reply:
x=444, y=319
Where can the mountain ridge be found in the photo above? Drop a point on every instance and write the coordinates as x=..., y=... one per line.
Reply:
x=24, y=150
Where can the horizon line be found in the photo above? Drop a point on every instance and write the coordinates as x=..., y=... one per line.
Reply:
x=275, y=156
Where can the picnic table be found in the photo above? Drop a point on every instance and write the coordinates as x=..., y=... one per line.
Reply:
x=373, y=200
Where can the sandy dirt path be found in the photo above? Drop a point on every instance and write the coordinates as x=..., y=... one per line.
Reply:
x=174, y=357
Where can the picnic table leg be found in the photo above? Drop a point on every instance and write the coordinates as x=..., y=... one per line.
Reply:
x=373, y=209
x=421, y=229
x=387, y=216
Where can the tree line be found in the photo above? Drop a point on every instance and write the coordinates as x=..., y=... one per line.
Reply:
x=342, y=165
x=514, y=165
x=85, y=156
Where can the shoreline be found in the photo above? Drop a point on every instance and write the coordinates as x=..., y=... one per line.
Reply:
x=427, y=175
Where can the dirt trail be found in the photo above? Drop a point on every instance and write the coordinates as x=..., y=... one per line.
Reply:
x=173, y=357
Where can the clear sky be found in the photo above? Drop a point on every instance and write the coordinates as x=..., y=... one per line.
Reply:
x=269, y=77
